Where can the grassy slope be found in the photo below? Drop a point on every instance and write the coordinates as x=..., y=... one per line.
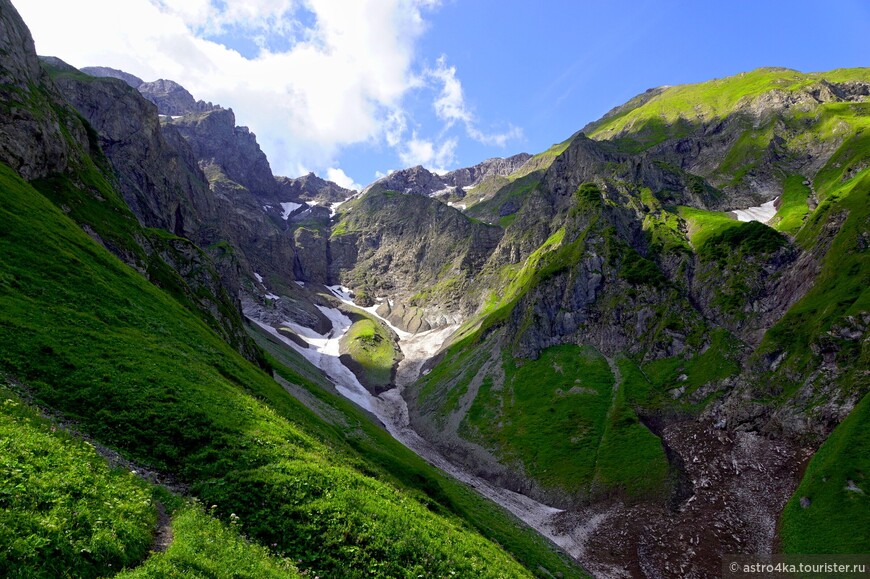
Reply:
x=206, y=548
x=348, y=423
x=372, y=351
x=671, y=113
x=62, y=509
x=837, y=519
x=143, y=374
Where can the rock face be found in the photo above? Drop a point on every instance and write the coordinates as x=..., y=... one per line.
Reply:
x=172, y=99
x=415, y=250
x=469, y=176
x=158, y=176
x=31, y=138
x=106, y=72
x=421, y=181
x=310, y=187
x=232, y=151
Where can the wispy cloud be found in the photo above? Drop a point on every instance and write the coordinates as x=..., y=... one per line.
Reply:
x=437, y=157
x=340, y=178
x=451, y=108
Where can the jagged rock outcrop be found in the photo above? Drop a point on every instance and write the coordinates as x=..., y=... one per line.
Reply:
x=310, y=187
x=36, y=137
x=470, y=176
x=420, y=181
x=173, y=99
x=228, y=153
x=415, y=250
x=159, y=179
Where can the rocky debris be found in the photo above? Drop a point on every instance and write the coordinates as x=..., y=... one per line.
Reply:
x=740, y=482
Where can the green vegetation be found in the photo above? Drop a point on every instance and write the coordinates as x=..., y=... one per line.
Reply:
x=561, y=418
x=837, y=484
x=142, y=374
x=841, y=289
x=631, y=460
x=346, y=422
x=204, y=547
x=651, y=388
x=372, y=352
x=793, y=207
x=703, y=225
x=671, y=113
x=749, y=238
x=63, y=511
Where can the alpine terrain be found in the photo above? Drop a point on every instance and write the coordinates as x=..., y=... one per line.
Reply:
x=630, y=355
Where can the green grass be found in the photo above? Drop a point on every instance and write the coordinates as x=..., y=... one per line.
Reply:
x=553, y=431
x=793, y=207
x=206, y=548
x=719, y=361
x=841, y=289
x=559, y=417
x=631, y=461
x=63, y=511
x=142, y=374
x=673, y=112
x=744, y=240
x=837, y=519
x=372, y=351
x=703, y=224
x=440, y=492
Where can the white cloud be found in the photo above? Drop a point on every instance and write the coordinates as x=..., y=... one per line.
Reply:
x=450, y=107
x=340, y=80
x=435, y=157
x=340, y=178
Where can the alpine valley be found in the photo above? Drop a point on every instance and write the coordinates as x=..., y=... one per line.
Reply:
x=629, y=355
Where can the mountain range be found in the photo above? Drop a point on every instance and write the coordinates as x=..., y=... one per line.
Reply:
x=632, y=354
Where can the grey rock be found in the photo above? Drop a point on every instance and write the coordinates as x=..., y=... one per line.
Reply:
x=106, y=72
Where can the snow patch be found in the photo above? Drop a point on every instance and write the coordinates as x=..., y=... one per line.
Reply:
x=289, y=208
x=762, y=213
x=299, y=283
x=259, y=277
x=334, y=208
x=272, y=296
x=323, y=352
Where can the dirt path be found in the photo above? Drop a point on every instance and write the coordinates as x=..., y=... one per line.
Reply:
x=163, y=536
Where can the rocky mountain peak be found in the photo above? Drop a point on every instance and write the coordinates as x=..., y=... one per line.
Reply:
x=106, y=72
x=310, y=187
x=173, y=99
x=230, y=150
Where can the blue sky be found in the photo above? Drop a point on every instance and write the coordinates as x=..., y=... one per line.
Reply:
x=351, y=89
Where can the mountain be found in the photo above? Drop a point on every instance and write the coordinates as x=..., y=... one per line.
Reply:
x=109, y=359
x=648, y=342
x=171, y=98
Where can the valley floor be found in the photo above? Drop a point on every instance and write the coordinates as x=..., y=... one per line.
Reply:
x=732, y=489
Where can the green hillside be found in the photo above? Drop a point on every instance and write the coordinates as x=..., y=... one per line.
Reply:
x=142, y=374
